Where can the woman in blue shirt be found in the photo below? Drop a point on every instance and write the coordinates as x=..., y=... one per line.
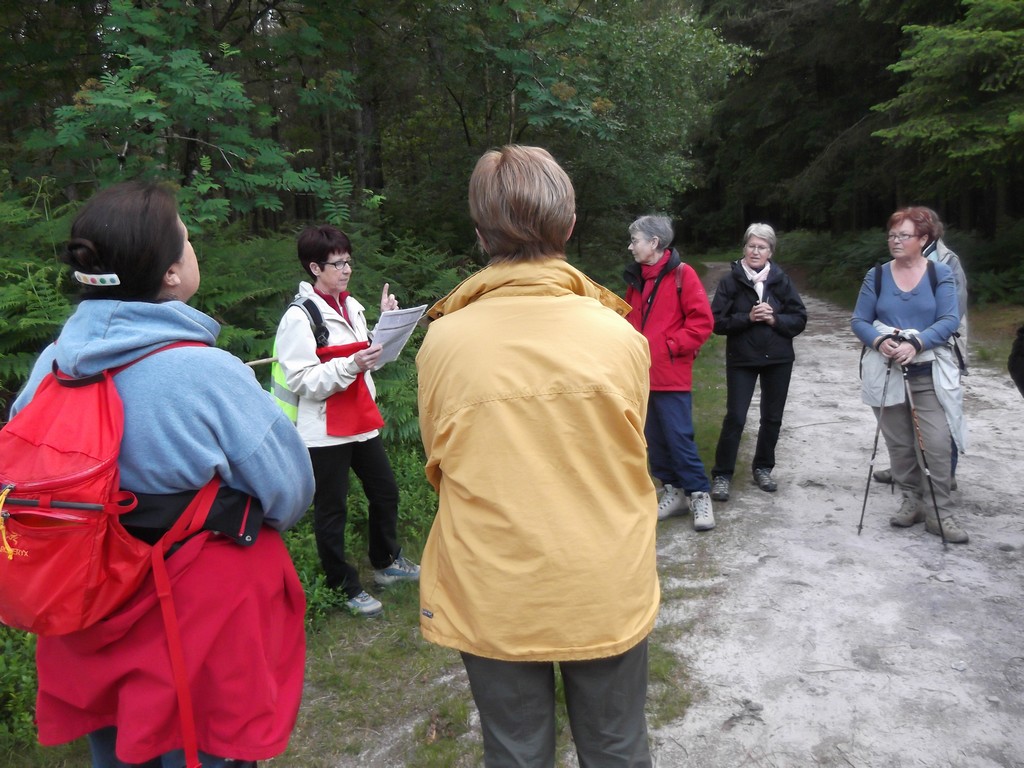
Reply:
x=909, y=321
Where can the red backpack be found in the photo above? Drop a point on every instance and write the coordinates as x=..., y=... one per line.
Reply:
x=66, y=561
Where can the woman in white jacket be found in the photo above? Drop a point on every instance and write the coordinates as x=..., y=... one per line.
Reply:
x=337, y=417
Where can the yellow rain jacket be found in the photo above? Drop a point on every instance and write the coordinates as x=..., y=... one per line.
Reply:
x=532, y=397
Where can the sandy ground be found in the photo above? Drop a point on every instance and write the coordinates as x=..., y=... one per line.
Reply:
x=816, y=646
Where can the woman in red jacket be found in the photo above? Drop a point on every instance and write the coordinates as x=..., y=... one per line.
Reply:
x=670, y=308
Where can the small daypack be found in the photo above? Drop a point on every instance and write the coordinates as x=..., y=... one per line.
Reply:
x=66, y=560
x=287, y=400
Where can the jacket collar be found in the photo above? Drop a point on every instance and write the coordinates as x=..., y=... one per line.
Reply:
x=633, y=277
x=548, y=277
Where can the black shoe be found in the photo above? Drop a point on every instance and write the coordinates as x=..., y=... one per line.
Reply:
x=883, y=476
x=763, y=478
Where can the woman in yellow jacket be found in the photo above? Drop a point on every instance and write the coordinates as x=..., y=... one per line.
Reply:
x=532, y=395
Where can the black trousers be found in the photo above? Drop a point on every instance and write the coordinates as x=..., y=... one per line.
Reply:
x=605, y=701
x=330, y=508
x=740, y=381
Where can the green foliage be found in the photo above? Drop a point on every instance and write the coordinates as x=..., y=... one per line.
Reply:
x=962, y=100
x=32, y=310
x=992, y=277
x=161, y=109
x=17, y=687
x=791, y=139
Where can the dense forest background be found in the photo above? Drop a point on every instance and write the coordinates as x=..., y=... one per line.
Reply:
x=818, y=116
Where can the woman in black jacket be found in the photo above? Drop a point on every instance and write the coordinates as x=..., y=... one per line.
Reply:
x=759, y=312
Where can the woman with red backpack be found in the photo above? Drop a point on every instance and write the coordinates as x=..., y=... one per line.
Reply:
x=191, y=414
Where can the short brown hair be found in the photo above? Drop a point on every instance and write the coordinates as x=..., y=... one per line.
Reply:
x=925, y=221
x=522, y=203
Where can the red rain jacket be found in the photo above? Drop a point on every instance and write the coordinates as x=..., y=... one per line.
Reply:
x=672, y=310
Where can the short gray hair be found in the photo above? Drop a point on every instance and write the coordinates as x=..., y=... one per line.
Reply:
x=654, y=227
x=763, y=231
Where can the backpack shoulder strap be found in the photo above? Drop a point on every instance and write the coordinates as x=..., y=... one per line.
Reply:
x=66, y=381
x=173, y=345
x=878, y=279
x=679, y=278
x=316, y=320
x=933, y=278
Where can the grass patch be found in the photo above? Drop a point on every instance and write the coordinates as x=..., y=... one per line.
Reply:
x=375, y=688
x=670, y=690
x=992, y=330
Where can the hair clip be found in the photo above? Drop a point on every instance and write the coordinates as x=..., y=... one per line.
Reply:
x=104, y=280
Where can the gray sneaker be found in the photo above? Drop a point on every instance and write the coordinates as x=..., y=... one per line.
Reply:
x=402, y=569
x=763, y=478
x=720, y=488
x=883, y=476
x=703, y=514
x=364, y=605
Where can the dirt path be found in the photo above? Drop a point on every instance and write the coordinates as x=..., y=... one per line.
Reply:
x=819, y=647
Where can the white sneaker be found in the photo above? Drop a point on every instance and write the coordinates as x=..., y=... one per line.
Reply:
x=673, y=502
x=703, y=514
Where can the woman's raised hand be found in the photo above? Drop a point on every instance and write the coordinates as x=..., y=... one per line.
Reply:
x=387, y=300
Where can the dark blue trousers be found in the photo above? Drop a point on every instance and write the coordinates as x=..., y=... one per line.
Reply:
x=102, y=742
x=670, y=442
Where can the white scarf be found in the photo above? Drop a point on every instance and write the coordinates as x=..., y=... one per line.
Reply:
x=757, y=278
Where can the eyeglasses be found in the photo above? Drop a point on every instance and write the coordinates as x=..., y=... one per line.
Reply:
x=901, y=237
x=757, y=248
x=339, y=265
x=637, y=240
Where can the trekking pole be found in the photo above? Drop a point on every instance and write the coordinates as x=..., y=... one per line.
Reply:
x=924, y=458
x=874, y=449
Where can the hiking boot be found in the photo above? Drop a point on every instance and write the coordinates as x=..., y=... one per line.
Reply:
x=402, y=569
x=763, y=478
x=911, y=511
x=883, y=476
x=364, y=605
x=673, y=502
x=952, y=532
x=703, y=515
x=720, y=488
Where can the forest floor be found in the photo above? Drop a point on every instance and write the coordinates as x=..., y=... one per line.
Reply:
x=811, y=645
